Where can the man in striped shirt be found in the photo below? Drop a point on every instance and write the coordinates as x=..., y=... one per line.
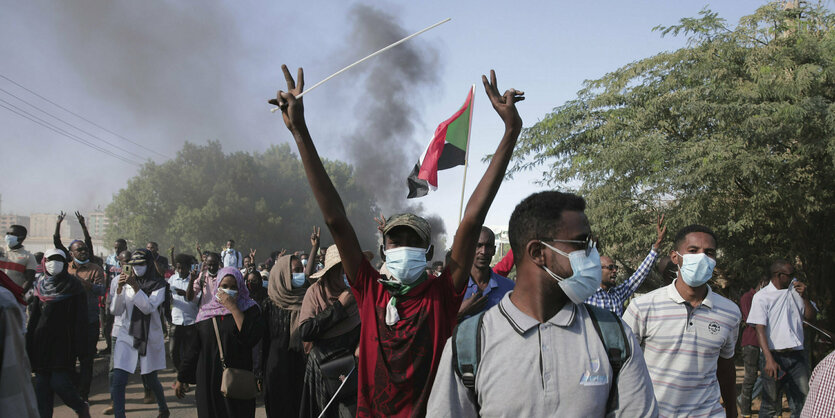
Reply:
x=688, y=333
x=612, y=296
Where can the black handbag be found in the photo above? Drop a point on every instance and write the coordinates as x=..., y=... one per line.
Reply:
x=335, y=371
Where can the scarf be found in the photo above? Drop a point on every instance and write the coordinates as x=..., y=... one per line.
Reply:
x=140, y=323
x=214, y=308
x=284, y=296
x=322, y=295
x=396, y=288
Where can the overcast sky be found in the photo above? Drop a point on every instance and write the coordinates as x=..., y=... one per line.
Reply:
x=161, y=73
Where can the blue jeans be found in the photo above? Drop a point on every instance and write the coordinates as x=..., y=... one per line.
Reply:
x=795, y=382
x=48, y=384
x=119, y=382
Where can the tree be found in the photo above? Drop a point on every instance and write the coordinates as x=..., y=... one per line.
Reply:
x=262, y=201
x=734, y=131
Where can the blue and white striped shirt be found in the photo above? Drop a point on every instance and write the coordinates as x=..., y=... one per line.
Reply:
x=614, y=298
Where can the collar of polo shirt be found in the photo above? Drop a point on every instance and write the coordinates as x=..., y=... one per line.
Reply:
x=522, y=323
x=675, y=296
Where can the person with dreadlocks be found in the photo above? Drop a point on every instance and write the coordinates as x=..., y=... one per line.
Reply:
x=57, y=334
x=139, y=295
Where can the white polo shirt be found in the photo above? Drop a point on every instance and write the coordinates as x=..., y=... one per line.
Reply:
x=682, y=346
x=781, y=312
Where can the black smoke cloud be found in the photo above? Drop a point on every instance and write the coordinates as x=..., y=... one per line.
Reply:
x=383, y=147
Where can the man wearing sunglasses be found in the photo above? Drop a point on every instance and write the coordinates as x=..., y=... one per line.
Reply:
x=560, y=367
x=611, y=295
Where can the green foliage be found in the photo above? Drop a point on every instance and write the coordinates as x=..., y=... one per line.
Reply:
x=734, y=131
x=262, y=201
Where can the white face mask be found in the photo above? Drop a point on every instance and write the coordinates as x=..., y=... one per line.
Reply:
x=406, y=264
x=586, y=277
x=54, y=267
x=11, y=240
x=140, y=270
x=696, y=269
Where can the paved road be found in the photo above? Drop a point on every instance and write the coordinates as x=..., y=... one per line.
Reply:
x=100, y=398
x=183, y=408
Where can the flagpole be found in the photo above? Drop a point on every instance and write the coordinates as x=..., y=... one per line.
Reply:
x=275, y=109
x=467, y=154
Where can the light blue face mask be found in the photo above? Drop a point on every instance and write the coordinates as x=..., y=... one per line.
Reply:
x=265, y=283
x=586, y=276
x=345, y=279
x=696, y=269
x=298, y=279
x=11, y=240
x=77, y=261
x=304, y=262
x=231, y=292
x=406, y=264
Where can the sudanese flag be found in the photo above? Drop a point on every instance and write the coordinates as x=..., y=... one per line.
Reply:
x=447, y=149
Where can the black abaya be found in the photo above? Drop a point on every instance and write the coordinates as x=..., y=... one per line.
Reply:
x=284, y=365
x=201, y=363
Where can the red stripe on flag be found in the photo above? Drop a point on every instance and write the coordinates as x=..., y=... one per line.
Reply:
x=429, y=164
x=8, y=265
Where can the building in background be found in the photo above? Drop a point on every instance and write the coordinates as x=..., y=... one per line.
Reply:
x=42, y=227
x=97, y=223
x=8, y=220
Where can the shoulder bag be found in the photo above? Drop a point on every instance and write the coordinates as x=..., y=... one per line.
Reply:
x=235, y=383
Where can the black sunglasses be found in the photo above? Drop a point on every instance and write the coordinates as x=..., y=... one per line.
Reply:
x=588, y=244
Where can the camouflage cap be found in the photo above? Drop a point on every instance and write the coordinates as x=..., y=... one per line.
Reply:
x=418, y=224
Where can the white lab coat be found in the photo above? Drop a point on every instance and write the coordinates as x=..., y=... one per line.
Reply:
x=124, y=355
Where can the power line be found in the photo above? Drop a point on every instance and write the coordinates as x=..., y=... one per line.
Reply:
x=26, y=115
x=73, y=126
x=82, y=117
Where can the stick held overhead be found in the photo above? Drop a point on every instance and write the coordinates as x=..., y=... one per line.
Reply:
x=367, y=58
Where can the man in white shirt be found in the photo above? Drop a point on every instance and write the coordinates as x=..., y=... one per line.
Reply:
x=230, y=256
x=183, y=312
x=778, y=311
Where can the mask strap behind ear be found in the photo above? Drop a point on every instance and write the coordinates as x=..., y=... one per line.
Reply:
x=553, y=275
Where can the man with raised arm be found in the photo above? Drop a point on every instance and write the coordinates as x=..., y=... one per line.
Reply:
x=407, y=316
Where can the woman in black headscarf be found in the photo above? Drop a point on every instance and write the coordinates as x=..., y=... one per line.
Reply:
x=140, y=338
x=284, y=355
x=56, y=335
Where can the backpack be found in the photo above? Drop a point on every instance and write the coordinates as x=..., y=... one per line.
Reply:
x=466, y=348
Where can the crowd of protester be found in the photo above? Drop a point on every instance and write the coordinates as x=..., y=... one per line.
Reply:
x=339, y=332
